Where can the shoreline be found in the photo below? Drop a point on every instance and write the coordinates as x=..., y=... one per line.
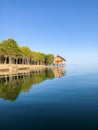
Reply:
x=11, y=69
x=21, y=65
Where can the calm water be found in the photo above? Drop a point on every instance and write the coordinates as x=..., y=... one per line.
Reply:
x=64, y=99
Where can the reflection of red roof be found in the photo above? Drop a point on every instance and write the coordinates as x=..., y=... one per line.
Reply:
x=61, y=57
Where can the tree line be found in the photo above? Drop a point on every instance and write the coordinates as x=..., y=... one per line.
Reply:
x=12, y=53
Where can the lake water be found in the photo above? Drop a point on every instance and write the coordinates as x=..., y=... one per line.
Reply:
x=62, y=98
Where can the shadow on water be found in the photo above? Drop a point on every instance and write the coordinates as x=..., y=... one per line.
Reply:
x=12, y=85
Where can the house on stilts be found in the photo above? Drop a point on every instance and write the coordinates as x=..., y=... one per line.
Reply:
x=58, y=60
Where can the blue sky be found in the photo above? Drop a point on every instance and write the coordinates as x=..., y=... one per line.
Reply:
x=65, y=27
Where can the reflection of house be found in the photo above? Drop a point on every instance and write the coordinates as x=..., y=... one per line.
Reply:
x=59, y=60
x=59, y=72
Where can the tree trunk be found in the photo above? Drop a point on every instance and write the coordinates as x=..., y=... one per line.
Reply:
x=16, y=60
x=22, y=61
x=5, y=60
x=10, y=60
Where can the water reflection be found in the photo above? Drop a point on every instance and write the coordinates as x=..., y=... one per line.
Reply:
x=59, y=72
x=12, y=85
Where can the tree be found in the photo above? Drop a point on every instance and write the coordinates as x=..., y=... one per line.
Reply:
x=49, y=59
x=11, y=53
x=26, y=54
x=10, y=50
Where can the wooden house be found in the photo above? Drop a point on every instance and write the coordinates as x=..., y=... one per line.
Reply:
x=59, y=60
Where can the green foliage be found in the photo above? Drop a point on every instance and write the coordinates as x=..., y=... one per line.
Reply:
x=26, y=52
x=10, y=48
x=10, y=88
x=10, y=52
x=49, y=59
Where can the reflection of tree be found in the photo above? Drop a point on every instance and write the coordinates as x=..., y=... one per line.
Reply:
x=11, y=87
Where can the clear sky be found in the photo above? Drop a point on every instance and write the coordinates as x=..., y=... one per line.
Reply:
x=65, y=27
